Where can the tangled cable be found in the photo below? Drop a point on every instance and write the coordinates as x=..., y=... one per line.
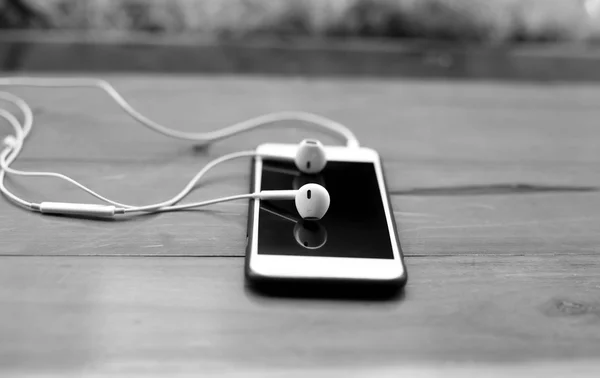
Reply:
x=13, y=144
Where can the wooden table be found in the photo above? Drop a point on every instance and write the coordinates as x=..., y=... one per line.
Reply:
x=495, y=189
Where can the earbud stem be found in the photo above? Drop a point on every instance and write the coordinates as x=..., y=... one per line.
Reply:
x=277, y=194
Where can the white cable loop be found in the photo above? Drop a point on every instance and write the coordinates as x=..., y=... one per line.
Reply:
x=9, y=153
x=14, y=144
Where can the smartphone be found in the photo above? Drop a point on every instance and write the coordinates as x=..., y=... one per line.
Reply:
x=355, y=242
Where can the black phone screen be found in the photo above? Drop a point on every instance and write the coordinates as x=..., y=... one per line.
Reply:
x=355, y=225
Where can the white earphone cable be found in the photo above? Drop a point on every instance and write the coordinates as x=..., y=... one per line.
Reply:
x=17, y=145
x=191, y=205
x=14, y=145
x=207, y=137
x=178, y=197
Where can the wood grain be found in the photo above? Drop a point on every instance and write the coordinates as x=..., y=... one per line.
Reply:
x=464, y=315
x=483, y=168
x=495, y=190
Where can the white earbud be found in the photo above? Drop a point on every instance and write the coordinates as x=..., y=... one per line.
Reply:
x=310, y=157
x=312, y=200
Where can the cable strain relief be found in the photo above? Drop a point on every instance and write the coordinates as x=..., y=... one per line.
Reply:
x=119, y=210
x=35, y=207
x=10, y=141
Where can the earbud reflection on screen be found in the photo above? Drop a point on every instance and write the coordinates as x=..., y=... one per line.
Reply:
x=312, y=200
x=308, y=234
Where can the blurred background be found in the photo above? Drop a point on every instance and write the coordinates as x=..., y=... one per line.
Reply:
x=484, y=21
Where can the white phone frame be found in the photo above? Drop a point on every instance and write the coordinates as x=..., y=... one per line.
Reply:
x=311, y=267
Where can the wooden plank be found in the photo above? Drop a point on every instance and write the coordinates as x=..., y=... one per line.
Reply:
x=475, y=168
x=459, y=315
